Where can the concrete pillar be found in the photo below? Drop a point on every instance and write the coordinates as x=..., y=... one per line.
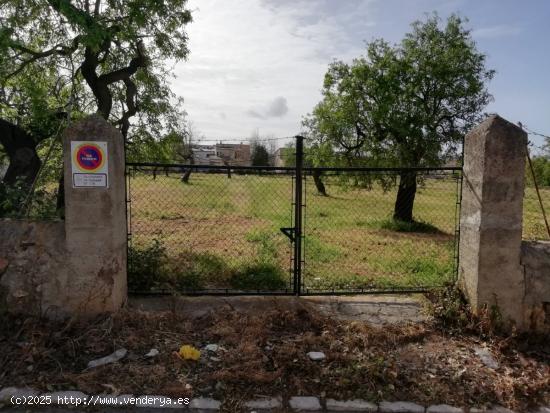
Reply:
x=95, y=216
x=491, y=218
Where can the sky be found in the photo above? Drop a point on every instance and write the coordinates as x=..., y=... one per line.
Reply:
x=258, y=65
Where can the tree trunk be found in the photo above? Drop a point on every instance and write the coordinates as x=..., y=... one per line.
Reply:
x=319, y=183
x=404, y=202
x=187, y=174
x=21, y=150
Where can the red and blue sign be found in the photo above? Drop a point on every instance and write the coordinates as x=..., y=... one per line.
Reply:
x=89, y=157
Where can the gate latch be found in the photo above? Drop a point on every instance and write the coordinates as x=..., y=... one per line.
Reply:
x=289, y=232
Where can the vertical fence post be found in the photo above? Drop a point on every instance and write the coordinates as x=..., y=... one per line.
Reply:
x=298, y=216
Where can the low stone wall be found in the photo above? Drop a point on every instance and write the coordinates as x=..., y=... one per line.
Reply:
x=39, y=276
x=30, y=253
x=75, y=267
x=535, y=260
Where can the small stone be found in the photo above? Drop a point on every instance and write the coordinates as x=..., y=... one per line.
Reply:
x=400, y=407
x=444, y=408
x=111, y=358
x=316, y=355
x=264, y=404
x=486, y=357
x=152, y=353
x=350, y=406
x=305, y=404
x=64, y=397
x=213, y=348
x=7, y=392
x=215, y=359
x=204, y=405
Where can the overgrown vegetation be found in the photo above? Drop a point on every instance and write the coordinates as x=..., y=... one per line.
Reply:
x=152, y=269
x=264, y=351
x=452, y=313
x=146, y=266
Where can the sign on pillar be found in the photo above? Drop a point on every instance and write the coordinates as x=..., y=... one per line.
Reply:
x=90, y=164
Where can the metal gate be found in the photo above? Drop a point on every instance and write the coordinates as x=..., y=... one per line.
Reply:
x=211, y=229
x=218, y=233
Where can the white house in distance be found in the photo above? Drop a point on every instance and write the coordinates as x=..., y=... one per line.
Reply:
x=233, y=154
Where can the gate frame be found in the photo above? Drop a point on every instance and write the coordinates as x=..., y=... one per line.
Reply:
x=296, y=232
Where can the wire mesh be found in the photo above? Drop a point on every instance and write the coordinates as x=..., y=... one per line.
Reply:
x=218, y=233
x=360, y=235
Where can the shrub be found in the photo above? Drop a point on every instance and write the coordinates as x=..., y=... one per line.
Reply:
x=13, y=198
x=452, y=313
x=259, y=276
x=146, y=266
x=192, y=270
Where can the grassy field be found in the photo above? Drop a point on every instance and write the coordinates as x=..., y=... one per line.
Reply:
x=225, y=233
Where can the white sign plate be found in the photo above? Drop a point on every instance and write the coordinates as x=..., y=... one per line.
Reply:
x=85, y=180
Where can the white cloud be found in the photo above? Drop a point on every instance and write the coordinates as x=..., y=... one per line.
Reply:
x=243, y=52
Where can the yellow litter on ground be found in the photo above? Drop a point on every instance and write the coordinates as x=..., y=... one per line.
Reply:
x=188, y=352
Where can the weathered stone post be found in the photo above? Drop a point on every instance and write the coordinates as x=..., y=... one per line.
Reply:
x=95, y=216
x=490, y=273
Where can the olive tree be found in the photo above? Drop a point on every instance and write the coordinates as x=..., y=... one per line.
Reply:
x=406, y=105
x=109, y=56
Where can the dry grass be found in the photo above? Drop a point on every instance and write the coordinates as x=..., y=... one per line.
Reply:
x=265, y=354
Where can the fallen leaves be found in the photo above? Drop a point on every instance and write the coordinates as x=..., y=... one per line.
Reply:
x=267, y=353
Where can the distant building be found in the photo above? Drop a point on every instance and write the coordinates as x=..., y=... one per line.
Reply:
x=222, y=154
x=205, y=155
x=282, y=156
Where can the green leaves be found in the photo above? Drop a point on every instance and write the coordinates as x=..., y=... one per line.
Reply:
x=78, y=42
x=408, y=104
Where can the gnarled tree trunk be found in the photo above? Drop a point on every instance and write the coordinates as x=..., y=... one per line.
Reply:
x=21, y=150
x=319, y=183
x=406, y=193
x=187, y=174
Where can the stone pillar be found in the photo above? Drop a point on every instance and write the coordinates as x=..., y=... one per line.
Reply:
x=491, y=218
x=95, y=218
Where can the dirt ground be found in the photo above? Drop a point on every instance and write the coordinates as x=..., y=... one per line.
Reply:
x=263, y=351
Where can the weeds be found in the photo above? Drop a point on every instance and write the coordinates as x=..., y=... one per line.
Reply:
x=259, y=276
x=452, y=313
x=146, y=266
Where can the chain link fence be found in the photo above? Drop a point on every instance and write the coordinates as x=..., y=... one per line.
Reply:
x=230, y=230
x=217, y=233
x=380, y=230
